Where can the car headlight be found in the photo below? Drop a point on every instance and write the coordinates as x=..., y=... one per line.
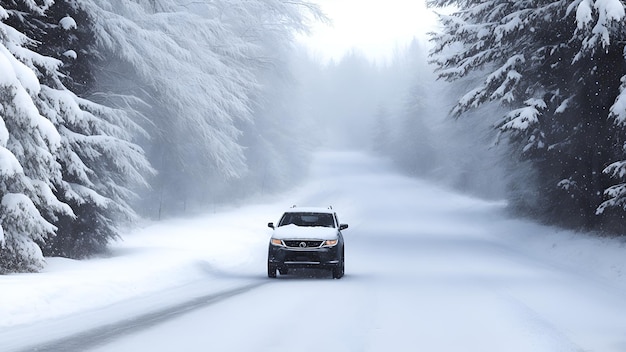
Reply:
x=330, y=243
x=276, y=242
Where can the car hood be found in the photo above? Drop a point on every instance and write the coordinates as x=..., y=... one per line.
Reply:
x=304, y=232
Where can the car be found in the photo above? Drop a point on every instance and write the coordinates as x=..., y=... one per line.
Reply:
x=307, y=237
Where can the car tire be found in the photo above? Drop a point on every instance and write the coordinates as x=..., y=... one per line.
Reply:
x=339, y=270
x=271, y=271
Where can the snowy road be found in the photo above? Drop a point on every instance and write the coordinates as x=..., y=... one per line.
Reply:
x=426, y=270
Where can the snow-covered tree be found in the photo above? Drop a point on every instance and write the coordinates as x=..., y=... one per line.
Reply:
x=185, y=78
x=414, y=148
x=400, y=128
x=556, y=67
x=196, y=67
x=28, y=168
x=82, y=179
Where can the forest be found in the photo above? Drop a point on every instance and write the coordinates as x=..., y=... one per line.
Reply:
x=116, y=111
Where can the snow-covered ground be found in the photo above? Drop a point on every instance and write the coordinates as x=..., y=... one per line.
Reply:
x=425, y=267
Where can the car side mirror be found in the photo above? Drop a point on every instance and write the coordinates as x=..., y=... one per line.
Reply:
x=270, y=224
x=343, y=226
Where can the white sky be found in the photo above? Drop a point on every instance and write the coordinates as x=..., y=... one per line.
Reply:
x=374, y=27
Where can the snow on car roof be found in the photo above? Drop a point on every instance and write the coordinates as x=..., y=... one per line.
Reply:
x=295, y=209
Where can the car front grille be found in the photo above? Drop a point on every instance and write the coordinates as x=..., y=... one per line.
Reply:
x=301, y=257
x=303, y=243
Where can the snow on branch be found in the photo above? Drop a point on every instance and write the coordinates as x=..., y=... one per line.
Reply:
x=9, y=165
x=521, y=119
x=617, y=198
x=606, y=13
x=32, y=224
x=67, y=23
x=501, y=83
x=4, y=133
x=616, y=169
x=616, y=194
x=470, y=100
x=583, y=13
x=22, y=228
x=511, y=23
x=82, y=195
x=618, y=109
x=567, y=184
x=15, y=73
x=563, y=106
x=502, y=73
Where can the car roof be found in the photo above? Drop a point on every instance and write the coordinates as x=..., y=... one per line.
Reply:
x=294, y=209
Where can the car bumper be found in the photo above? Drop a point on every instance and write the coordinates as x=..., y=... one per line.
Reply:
x=286, y=257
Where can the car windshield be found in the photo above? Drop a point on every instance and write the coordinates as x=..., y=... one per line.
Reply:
x=307, y=219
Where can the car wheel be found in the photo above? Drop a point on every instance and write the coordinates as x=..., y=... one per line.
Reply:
x=271, y=270
x=283, y=271
x=339, y=270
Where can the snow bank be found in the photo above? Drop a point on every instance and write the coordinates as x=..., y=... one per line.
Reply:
x=158, y=257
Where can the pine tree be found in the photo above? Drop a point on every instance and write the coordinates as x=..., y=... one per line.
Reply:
x=413, y=148
x=196, y=67
x=28, y=168
x=101, y=166
x=556, y=66
x=95, y=164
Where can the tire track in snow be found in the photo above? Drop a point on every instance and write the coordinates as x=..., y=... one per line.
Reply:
x=102, y=335
x=542, y=325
